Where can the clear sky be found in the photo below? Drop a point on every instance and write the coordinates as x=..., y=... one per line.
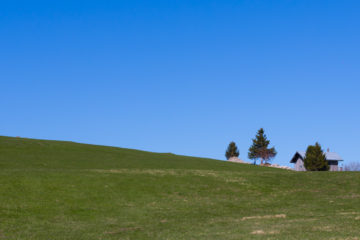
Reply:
x=185, y=77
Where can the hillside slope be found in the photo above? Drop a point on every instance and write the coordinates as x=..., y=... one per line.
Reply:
x=65, y=190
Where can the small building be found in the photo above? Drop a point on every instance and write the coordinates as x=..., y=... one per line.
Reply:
x=334, y=160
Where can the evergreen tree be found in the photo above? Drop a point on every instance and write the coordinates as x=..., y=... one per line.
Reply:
x=232, y=151
x=315, y=159
x=259, y=148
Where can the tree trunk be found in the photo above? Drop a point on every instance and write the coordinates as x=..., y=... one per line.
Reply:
x=262, y=161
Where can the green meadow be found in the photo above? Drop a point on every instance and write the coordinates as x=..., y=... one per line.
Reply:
x=65, y=190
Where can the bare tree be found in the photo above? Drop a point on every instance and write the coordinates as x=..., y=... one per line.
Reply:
x=353, y=166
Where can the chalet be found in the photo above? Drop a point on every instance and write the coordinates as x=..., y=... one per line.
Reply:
x=333, y=159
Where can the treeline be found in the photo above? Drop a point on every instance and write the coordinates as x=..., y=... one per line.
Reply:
x=314, y=160
x=258, y=150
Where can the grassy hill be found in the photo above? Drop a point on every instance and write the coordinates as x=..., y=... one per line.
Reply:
x=65, y=190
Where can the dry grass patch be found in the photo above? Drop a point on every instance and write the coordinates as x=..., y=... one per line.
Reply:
x=262, y=232
x=226, y=176
x=349, y=213
x=120, y=230
x=351, y=196
x=347, y=238
x=264, y=217
x=302, y=220
x=323, y=228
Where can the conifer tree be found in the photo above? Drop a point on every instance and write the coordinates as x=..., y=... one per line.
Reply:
x=315, y=159
x=259, y=148
x=232, y=151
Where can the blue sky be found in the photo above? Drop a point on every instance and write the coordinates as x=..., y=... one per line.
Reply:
x=185, y=77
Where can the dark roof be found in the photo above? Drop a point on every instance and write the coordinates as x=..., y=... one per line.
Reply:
x=330, y=156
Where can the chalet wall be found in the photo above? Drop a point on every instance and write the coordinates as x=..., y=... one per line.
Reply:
x=333, y=165
x=333, y=168
x=299, y=165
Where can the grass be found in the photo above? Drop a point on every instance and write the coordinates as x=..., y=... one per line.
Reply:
x=64, y=190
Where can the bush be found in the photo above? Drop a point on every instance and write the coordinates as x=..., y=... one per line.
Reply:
x=315, y=159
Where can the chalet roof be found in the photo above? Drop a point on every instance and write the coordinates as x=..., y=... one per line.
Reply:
x=330, y=156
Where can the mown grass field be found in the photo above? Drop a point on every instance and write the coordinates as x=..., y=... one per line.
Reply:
x=65, y=190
